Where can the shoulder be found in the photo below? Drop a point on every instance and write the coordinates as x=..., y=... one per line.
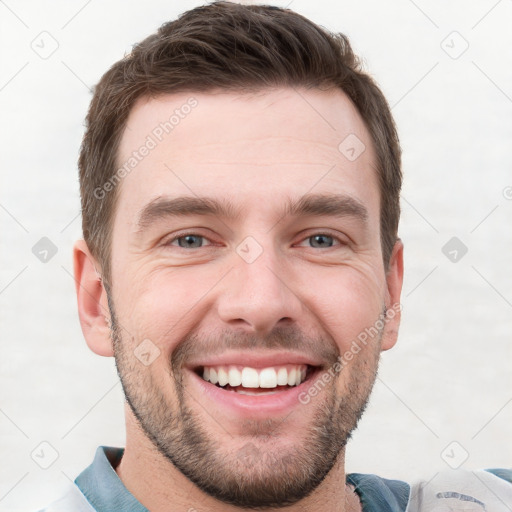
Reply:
x=72, y=501
x=460, y=489
x=463, y=489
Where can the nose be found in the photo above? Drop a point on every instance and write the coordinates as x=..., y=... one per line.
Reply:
x=259, y=296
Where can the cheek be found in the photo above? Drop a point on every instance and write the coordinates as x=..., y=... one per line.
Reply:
x=347, y=305
x=163, y=306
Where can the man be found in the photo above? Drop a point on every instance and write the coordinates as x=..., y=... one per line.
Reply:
x=240, y=180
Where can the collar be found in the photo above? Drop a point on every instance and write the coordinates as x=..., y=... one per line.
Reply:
x=102, y=487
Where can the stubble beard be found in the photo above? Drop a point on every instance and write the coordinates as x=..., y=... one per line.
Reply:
x=258, y=472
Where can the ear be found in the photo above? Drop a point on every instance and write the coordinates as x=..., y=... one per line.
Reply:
x=394, y=281
x=92, y=301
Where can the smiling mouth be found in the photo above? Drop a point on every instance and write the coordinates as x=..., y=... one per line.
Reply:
x=256, y=381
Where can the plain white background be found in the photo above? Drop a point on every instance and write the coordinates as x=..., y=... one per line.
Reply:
x=444, y=395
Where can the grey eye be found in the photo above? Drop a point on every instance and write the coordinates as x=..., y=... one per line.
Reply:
x=190, y=241
x=321, y=241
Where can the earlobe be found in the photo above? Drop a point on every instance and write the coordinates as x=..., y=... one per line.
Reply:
x=394, y=281
x=92, y=301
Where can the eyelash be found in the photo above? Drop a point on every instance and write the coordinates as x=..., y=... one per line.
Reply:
x=192, y=233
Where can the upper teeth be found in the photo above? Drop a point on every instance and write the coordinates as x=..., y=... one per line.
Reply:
x=291, y=375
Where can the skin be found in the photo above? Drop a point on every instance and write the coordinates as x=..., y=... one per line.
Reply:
x=191, y=301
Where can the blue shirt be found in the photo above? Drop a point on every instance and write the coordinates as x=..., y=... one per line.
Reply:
x=99, y=489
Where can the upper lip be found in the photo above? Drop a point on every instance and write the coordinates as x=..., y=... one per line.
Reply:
x=256, y=359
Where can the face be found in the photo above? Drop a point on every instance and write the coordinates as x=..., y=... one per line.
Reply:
x=246, y=262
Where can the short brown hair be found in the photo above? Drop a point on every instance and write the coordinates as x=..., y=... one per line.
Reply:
x=231, y=47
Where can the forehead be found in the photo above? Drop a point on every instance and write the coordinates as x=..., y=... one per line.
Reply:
x=243, y=146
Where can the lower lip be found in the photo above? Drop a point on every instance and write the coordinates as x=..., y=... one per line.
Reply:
x=263, y=405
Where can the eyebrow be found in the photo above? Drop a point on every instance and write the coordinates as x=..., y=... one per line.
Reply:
x=334, y=205
x=163, y=207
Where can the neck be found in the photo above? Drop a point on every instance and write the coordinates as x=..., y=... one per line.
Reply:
x=155, y=482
